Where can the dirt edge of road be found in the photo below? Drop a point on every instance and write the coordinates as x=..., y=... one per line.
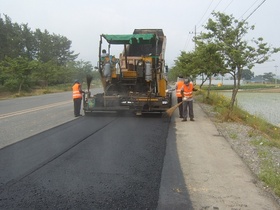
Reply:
x=240, y=138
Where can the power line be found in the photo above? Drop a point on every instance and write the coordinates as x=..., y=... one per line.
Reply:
x=187, y=42
x=216, y=5
x=255, y=10
x=249, y=8
x=200, y=20
x=228, y=5
x=224, y=10
x=205, y=12
x=210, y=13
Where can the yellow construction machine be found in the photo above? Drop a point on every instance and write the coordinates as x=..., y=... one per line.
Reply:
x=136, y=80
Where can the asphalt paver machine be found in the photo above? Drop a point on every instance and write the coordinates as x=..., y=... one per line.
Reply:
x=136, y=80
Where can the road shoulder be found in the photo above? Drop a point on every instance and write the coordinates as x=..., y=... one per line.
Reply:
x=202, y=171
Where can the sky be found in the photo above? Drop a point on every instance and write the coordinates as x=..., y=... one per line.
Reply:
x=84, y=21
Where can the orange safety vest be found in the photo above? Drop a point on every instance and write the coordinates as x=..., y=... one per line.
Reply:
x=76, y=91
x=179, y=86
x=188, y=90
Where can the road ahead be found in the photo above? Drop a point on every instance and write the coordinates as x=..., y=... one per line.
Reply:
x=111, y=162
x=120, y=162
x=23, y=117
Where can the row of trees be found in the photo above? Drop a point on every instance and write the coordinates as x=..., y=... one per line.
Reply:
x=30, y=58
x=249, y=75
x=223, y=49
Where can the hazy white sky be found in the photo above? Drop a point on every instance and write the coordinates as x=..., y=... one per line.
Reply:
x=83, y=21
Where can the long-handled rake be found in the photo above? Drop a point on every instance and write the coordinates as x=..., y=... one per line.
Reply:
x=89, y=79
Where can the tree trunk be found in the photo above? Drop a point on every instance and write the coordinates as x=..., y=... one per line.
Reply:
x=202, y=82
x=20, y=86
x=233, y=98
x=209, y=87
x=236, y=86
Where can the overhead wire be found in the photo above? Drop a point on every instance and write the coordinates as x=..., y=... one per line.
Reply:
x=189, y=38
x=228, y=5
x=200, y=20
x=255, y=9
x=210, y=14
x=187, y=42
x=248, y=9
x=189, y=35
x=205, y=12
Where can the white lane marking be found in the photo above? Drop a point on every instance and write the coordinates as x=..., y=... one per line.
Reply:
x=11, y=114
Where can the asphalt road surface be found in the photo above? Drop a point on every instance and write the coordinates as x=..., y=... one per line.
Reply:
x=52, y=160
x=95, y=162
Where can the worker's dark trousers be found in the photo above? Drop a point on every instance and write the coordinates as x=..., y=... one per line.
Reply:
x=179, y=99
x=188, y=105
x=77, y=106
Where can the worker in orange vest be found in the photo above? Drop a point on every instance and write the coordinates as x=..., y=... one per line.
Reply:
x=178, y=87
x=77, y=98
x=187, y=97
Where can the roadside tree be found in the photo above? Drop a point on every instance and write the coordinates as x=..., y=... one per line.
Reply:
x=29, y=58
x=184, y=65
x=229, y=34
x=17, y=72
x=208, y=62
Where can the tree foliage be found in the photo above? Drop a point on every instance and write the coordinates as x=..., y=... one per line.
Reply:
x=247, y=74
x=29, y=58
x=17, y=72
x=229, y=35
x=225, y=49
x=205, y=61
x=209, y=61
x=269, y=76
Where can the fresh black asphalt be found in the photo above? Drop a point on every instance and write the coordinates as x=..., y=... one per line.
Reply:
x=93, y=162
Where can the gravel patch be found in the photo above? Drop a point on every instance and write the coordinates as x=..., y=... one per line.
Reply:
x=249, y=144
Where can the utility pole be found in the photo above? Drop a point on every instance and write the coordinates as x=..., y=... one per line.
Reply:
x=195, y=46
x=276, y=75
x=194, y=36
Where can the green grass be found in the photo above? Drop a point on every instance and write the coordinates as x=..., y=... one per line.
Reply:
x=261, y=141
x=270, y=176
x=233, y=135
x=221, y=103
x=242, y=87
x=4, y=94
x=270, y=135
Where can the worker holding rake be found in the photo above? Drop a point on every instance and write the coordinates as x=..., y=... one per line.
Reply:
x=178, y=87
x=187, y=98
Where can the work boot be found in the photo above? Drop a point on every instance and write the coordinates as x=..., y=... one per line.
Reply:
x=192, y=119
x=184, y=119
